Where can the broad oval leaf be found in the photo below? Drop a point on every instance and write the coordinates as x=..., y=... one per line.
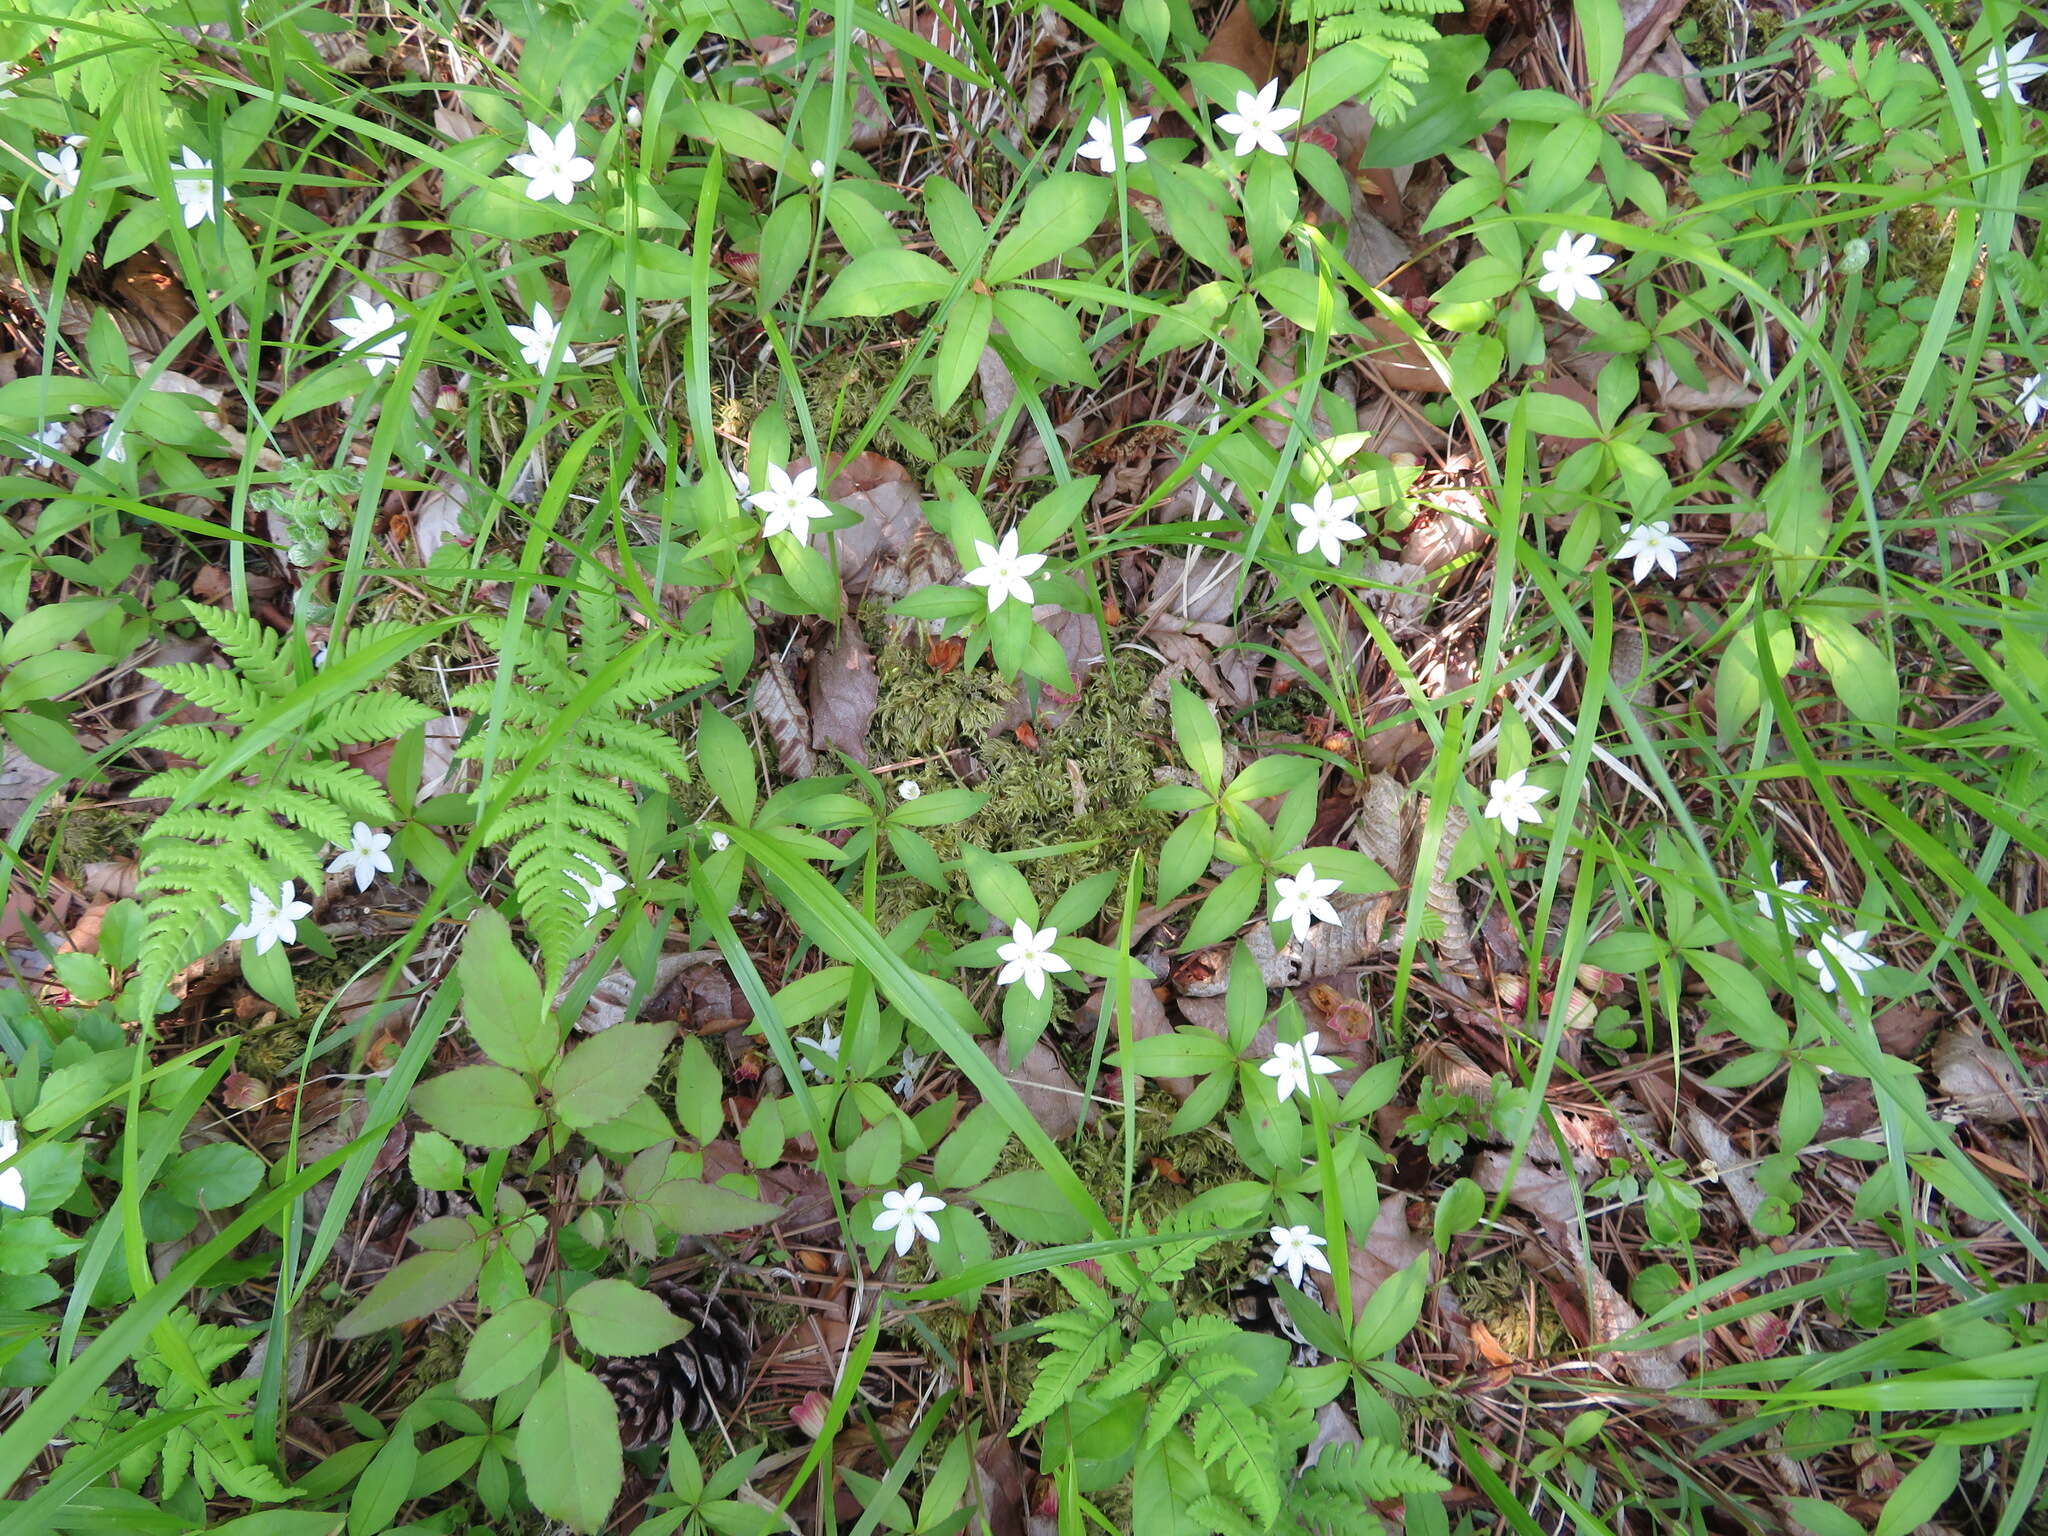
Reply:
x=424, y=1283
x=506, y=1348
x=1028, y=1205
x=568, y=1447
x=602, y=1077
x=1061, y=212
x=501, y=1000
x=882, y=282
x=616, y=1317
x=690, y=1209
x=483, y=1106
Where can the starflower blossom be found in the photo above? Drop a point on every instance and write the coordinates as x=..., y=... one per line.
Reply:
x=193, y=184
x=1652, y=545
x=908, y=1213
x=1512, y=801
x=366, y=330
x=1569, y=268
x=906, y=1083
x=2008, y=71
x=819, y=1052
x=60, y=171
x=6, y=207
x=365, y=857
x=2033, y=398
x=1325, y=524
x=1304, y=901
x=1849, y=955
x=598, y=895
x=1295, y=1067
x=1784, y=899
x=1029, y=958
x=909, y=789
x=1109, y=150
x=551, y=166
x=790, y=503
x=51, y=436
x=1297, y=1250
x=13, y=1193
x=1259, y=121
x=271, y=923
x=537, y=341
x=1004, y=571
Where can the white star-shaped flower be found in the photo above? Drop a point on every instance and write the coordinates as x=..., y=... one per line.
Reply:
x=790, y=503
x=537, y=341
x=2033, y=398
x=1258, y=122
x=1297, y=1249
x=1850, y=958
x=599, y=895
x=1295, y=1068
x=271, y=923
x=552, y=167
x=1569, y=268
x=1108, y=152
x=906, y=1084
x=1304, y=901
x=909, y=789
x=908, y=1213
x=1652, y=546
x=50, y=435
x=1784, y=899
x=2007, y=71
x=1004, y=571
x=6, y=207
x=365, y=857
x=13, y=1193
x=366, y=328
x=194, y=189
x=1028, y=957
x=820, y=1052
x=1513, y=800
x=60, y=168
x=1325, y=524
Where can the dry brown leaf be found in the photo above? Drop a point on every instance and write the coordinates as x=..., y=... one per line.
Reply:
x=1387, y=1248
x=1053, y=1097
x=788, y=723
x=1545, y=1193
x=1399, y=361
x=998, y=1487
x=1973, y=1071
x=844, y=691
x=608, y=1002
x=21, y=780
x=891, y=510
x=1722, y=393
x=1901, y=1027
x=1238, y=42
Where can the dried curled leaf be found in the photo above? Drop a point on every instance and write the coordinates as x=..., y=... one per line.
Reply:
x=788, y=723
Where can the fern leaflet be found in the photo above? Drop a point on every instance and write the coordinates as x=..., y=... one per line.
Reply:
x=1393, y=30
x=564, y=724
x=261, y=799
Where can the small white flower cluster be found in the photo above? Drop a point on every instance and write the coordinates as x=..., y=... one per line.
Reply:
x=1849, y=952
x=271, y=921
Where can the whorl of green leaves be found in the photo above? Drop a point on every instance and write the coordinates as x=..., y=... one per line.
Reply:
x=1396, y=30
x=565, y=740
x=264, y=795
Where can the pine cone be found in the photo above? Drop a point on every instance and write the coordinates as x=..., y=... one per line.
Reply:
x=689, y=1383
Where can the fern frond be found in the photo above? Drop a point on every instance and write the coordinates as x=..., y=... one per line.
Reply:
x=1371, y=1470
x=364, y=717
x=1063, y=1374
x=254, y=647
x=1240, y=1443
x=1393, y=30
x=209, y=688
x=1225, y=1517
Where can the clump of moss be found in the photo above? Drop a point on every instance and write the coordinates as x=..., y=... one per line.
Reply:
x=68, y=838
x=1495, y=1291
x=1035, y=799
